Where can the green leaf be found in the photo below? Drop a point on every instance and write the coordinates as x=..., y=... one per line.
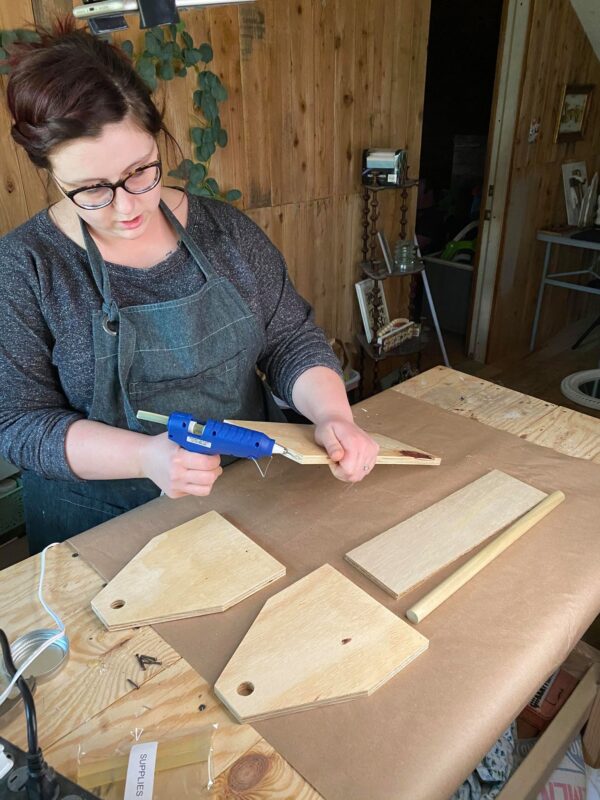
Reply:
x=233, y=195
x=219, y=92
x=199, y=191
x=204, y=81
x=187, y=40
x=180, y=26
x=4, y=69
x=212, y=185
x=206, y=53
x=127, y=47
x=166, y=71
x=147, y=71
x=208, y=136
x=3, y=54
x=7, y=37
x=27, y=36
x=153, y=45
x=181, y=73
x=173, y=31
x=183, y=170
x=205, y=151
x=222, y=138
x=197, y=98
x=216, y=125
x=197, y=174
x=197, y=135
x=209, y=106
x=168, y=50
x=191, y=57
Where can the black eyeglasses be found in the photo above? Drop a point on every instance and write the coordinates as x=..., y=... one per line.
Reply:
x=141, y=180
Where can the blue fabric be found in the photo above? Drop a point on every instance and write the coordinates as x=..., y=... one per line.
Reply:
x=488, y=778
x=195, y=354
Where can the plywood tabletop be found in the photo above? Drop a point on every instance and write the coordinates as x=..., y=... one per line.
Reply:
x=101, y=661
x=562, y=429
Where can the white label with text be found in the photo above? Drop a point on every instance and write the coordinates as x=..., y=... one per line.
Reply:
x=140, y=771
x=201, y=442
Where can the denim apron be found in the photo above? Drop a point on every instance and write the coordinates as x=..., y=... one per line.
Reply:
x=196, y=354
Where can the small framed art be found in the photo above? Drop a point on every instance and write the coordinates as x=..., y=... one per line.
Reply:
x=574, y=109
x=373, y=308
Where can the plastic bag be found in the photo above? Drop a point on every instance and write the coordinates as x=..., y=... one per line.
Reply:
x=149, y=762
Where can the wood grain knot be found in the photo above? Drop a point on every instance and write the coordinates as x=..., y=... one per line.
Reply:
x=248, y=772
x=10, y=186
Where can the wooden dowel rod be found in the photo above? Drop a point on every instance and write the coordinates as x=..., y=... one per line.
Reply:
x=481, y=559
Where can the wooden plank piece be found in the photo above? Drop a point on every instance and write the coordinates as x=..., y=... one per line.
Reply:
x=299, y=441
x=408, y=553
x=201, y=567
x=476, y=563
x=320, y=641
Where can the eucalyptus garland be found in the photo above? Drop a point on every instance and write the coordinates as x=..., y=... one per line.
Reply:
x=170, y=52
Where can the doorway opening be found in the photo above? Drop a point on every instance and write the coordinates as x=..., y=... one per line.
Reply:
x=459, y=87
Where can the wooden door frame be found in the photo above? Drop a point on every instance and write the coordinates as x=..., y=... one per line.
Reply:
x=512, y=48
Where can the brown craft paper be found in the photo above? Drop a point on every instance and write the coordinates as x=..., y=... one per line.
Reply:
x=491, y=644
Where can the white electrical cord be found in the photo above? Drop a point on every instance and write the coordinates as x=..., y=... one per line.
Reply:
x=58, y=635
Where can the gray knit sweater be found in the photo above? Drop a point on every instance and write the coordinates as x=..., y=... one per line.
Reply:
x=48, y=295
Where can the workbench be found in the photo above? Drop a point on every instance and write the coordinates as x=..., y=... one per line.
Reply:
x=92, y=697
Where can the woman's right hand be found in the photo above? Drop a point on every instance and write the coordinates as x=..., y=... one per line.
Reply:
x=177, y=471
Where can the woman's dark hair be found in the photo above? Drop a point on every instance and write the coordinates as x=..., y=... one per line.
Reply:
x=69, y=85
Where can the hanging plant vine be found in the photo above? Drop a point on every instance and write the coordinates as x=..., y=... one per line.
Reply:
x=170, y=52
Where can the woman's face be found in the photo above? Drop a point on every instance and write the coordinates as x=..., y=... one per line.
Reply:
x=121, y=148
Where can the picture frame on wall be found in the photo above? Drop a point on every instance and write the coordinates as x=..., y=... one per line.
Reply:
x=573, y=112
x=373, y=306
x=575, y=186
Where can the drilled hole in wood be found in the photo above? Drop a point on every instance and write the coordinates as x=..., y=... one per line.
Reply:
x=117, y=604
x=245, y=688
x=74, y=555
x=345, y=641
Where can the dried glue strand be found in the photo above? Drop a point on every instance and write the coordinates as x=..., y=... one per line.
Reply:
x=258, y=467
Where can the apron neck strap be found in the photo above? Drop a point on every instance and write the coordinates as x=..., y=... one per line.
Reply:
x=99, y=273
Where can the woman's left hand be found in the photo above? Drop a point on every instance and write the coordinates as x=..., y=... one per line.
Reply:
x=352, y=450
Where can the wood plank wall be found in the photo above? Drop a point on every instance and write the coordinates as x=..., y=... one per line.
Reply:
x=311, y=83
x=558, y=52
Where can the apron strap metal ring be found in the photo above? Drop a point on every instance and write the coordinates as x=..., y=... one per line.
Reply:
x=110, y=326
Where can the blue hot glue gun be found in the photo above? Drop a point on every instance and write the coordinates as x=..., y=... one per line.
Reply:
x=215, y=438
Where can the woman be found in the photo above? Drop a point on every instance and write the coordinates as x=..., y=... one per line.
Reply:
x=127, y=294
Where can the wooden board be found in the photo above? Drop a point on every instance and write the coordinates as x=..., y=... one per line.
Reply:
x=299, y=441
x=320, y=641
x=201, y=567
x=411, y=551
